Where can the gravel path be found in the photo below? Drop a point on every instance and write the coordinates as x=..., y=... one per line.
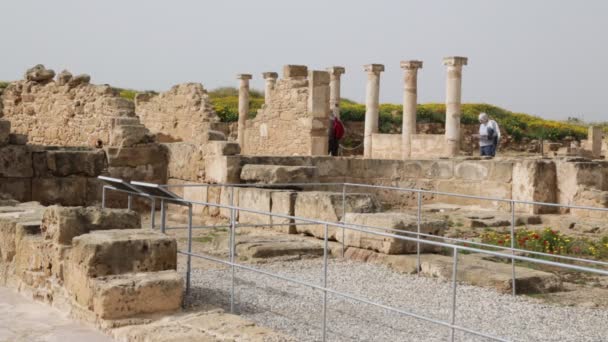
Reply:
x=297, y=310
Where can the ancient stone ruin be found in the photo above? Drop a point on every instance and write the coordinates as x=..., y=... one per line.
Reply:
x=59, y=132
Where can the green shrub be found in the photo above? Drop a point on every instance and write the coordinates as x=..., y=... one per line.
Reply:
x=3, y=85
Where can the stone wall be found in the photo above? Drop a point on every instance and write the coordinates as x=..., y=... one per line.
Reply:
x=69, y=111
x=295, y=119
x=183, y=113
x=97, y=261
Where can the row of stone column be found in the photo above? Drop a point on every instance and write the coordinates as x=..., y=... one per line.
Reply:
x=410, y=101
x=372, y=101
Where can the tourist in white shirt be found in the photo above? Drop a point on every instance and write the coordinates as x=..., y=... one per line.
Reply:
x=489, y=135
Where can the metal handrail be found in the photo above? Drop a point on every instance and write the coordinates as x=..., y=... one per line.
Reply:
x=510, y=252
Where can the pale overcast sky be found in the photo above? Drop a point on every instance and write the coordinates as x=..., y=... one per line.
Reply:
x=539, y=56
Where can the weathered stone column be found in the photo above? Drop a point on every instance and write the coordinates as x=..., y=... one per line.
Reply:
x=453, y=91
x=410, y=100
x=334, y=89
x=594, y=140
x=271, y=81
x=318, y=108
x=372, y=98
x=243, y=107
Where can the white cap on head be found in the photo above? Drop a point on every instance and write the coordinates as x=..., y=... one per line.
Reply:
x=483, y=116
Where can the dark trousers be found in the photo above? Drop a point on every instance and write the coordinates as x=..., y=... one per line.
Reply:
x=334, y=145
x=489, y=150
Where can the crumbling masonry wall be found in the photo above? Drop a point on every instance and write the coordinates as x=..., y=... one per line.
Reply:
x=295, y=119
x=69, y=111
x=183, y=113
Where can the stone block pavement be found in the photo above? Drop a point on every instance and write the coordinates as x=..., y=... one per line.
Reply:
x=23, y=319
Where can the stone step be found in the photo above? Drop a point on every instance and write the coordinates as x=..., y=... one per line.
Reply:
x=62, y=224
x=111, y=252
x=473, y=269
x=105, y=253
x=127, y=295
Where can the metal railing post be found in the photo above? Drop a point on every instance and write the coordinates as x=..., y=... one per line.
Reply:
x=152, y=212
x=343, y=217
x=419, y=218
x=189, y=263
x=232, y=248
x=129, y=202
x=454, y=277
x=163, y=216
x=103, y=197
x=325, y=282
x=512, y=247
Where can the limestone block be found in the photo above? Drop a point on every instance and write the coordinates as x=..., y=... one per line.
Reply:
x=278, y=174
x=394, y=221
x=125, y=295
x=225, y=199
x=213, y=196
x=113, y=252
x=184, y=161
x=62, y=224
x=136, y=156
x=63, y=163
x=5, y=131
x=8, y=248
x=39, y=73
x=327, y=206
x=472, y=170
x=223, y=169
x=19, y=189
x=535, y=180
x=118, y=251
x=290, y=71
x=255, y=199
x=474, y=188
x=439, y=169
x=16, y=161
x=128, y=135
x=32, y=255
x=590, y=198
x=222, y=148
x=283, y=202
x=60, y=190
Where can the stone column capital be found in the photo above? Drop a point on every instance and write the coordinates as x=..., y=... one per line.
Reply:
x=455, y=61
x=374, y=68
x=270, y=75
x=243, y=76
x=336, y=70
x=411, y=65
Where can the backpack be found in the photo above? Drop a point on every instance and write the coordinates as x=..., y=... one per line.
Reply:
x=338, y=129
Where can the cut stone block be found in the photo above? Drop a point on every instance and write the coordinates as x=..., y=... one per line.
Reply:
x=327, y=206
x=222, y=148
x=16, y=161
x=394, y=221
x=113, y=252
x=475, y=270
x=67, y=163
x=225, y=199
x=283, y=202
x=60, y=190
x=5, y=131
x=255, y=199
x=126, y=295
x=62, y=224
x=278, y=174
